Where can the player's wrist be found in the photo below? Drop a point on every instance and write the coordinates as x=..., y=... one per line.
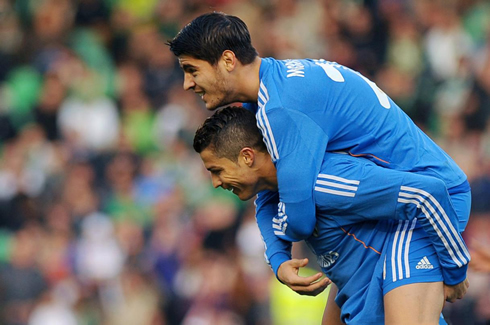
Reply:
x=276, y=260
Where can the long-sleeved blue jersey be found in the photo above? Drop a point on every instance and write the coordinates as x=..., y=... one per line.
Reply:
x=356, y=203
x=308, y=107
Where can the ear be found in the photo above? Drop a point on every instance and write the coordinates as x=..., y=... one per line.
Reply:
x=229, y=60
x=247, y=156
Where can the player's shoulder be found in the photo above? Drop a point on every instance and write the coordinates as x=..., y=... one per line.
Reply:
x=290, y=69
x=284, y=80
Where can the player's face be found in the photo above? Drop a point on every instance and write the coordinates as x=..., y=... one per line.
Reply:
x=232, y=176
x=206, y=80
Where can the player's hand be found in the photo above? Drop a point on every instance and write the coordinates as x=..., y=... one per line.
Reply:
x=309, y=286
x=458, y=291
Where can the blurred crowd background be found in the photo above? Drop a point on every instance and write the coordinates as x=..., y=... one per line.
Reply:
x=106, y=214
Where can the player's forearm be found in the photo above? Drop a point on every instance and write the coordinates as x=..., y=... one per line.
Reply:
x=277, y=250
x=299, y=220
x=277, y=259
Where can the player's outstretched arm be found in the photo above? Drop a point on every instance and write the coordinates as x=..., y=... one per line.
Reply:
x=288, y=273
x=278, y=251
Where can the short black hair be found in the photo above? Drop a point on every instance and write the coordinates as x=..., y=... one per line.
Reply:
x=228, y=131
x=209, y=35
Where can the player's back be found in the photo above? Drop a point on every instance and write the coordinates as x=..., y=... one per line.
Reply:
x=355, y=116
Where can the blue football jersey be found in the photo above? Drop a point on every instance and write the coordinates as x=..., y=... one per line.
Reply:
x=334, y=108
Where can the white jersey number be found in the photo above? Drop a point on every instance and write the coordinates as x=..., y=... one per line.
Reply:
x=332, y=71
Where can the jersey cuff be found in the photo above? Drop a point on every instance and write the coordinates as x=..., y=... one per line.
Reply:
x=454, y=276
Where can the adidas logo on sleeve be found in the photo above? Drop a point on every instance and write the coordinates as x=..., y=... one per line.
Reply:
x=424, y=264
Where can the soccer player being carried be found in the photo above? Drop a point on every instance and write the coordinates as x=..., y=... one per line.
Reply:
x=305, y=108
x=357, y=205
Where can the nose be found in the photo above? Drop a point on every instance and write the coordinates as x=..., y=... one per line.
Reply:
x=216, y=181
x=188, y=81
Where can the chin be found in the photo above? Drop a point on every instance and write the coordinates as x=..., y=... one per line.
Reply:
x=211, y=107
x=245, y=198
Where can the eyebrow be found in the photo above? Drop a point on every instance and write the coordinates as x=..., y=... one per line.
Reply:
x=186, y=67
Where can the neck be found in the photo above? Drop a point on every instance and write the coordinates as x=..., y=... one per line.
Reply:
x=248, y=81
x=267, y=172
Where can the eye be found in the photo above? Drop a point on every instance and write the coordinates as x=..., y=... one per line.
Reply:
x=216, y=172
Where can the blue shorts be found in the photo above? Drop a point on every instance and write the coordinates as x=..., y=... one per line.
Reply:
x=409, y=254
x=408, y=257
